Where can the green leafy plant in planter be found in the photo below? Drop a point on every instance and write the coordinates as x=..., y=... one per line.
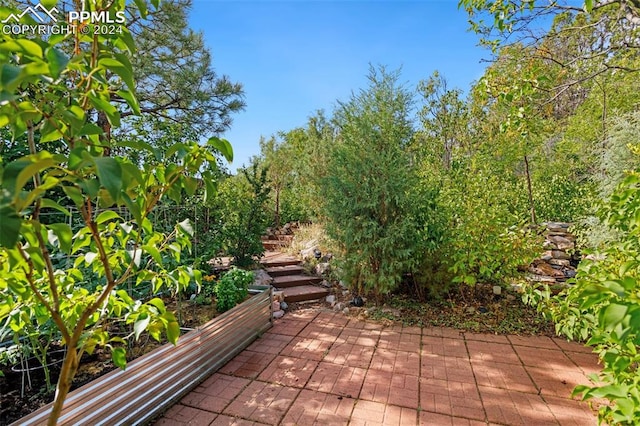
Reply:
x=232, y=288
x=60, y=89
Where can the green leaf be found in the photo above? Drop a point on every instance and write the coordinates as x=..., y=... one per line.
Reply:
x=142, y=7
x=588, y=6
x=29, y=47
x=119, y=357
x=90, y=129
x=141, y=324
x=185, y=225
x=154, y=252
x=105, y=106
x=106, y=216
x=613, y=315
x=110, y=175
x=159, y=304
x=10, y=223
x=173, y=328
x=121, y=69
x=65, y=235
x=9, y=77
x=48, y=203
x=223, y=146
x=18, y=172
x=125, y=297
x=75, y=194
x=57, y=61
x=128, y=96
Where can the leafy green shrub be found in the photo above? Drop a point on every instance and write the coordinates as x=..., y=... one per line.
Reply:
x=560, y=198
x=603, y=307
x=241, y=207
x=488, y=239
x=232, y=288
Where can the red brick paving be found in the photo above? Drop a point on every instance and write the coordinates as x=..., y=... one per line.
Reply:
x=317, y=367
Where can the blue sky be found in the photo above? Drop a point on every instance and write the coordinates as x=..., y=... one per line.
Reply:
x=295, y=57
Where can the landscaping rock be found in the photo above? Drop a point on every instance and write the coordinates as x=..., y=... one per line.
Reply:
x=327, y=257
x=345, y=311
x=260, y=277
x=357, y=301
x=322, y=268
x=561, y=242
x=308, y=253
x=331, y=299
x=559, y=254
x=497, y=290
x=559, y=262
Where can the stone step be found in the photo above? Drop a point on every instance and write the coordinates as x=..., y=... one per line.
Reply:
x=278, y=271
x=274, y=258
x=303, y=293
x=294, y=280
x=273, y=244
x=286, y=238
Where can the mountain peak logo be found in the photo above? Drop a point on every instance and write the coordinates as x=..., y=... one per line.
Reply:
x=39, y=12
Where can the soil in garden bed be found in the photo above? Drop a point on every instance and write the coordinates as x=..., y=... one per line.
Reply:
x=17, y=398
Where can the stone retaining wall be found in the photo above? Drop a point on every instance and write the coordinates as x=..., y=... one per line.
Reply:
x=558, y=263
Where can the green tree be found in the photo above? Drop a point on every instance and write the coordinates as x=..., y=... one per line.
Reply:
x=175, y=79
x=242, y=208
x=444, y=118
x=367, y=192
x=276, y=158
x=614, y=26
x=52, y=90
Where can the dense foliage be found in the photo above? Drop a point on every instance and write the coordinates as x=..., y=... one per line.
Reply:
x=76, y=233
x=232, y=288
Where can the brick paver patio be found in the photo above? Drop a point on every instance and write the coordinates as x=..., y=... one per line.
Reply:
x=319, y=367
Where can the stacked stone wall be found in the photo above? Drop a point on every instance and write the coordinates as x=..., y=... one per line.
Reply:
x=558, y=263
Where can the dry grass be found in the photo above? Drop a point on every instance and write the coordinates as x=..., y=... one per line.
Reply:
x=309, y=236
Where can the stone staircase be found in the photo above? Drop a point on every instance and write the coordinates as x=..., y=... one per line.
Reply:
x=289, y=277
x=276, y=242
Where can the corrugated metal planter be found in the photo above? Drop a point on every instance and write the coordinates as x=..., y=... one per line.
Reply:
x=155, y=381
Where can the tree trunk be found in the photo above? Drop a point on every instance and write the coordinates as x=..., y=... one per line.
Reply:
x=277, y=216
x=68, y=371
x=532, y=206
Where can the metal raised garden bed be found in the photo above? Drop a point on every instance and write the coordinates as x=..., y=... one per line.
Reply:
x=155, y=381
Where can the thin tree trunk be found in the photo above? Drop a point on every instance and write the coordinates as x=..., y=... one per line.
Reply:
x=277, y=218
x=532, y=206
x=68, y=371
